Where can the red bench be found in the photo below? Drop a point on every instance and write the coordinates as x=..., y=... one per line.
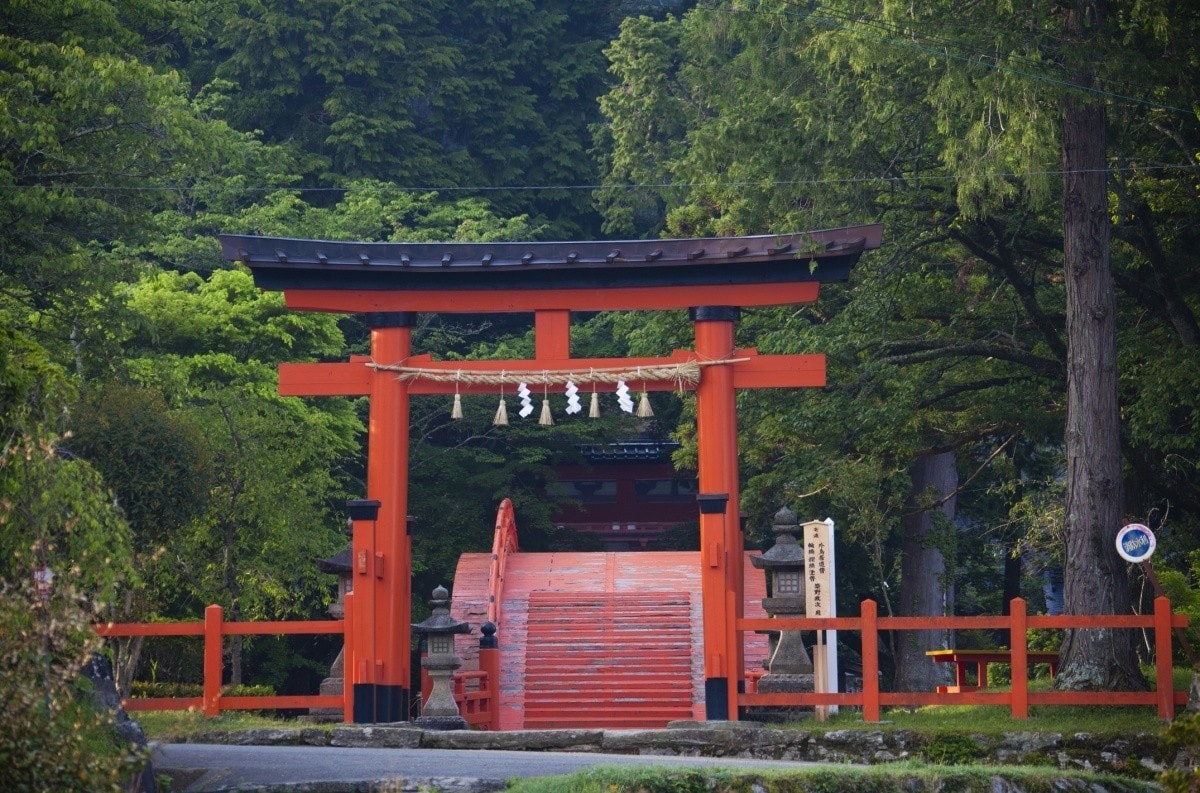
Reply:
x=962, y=659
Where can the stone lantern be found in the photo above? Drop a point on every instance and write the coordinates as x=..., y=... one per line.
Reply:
x=339, y=565
x=440, y=711
x=788, y=665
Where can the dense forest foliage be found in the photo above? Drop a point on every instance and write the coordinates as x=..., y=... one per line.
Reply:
x=148, y=459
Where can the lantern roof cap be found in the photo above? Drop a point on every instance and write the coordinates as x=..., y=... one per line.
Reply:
x=338, y=563
x=787, y=551
x=440, y=621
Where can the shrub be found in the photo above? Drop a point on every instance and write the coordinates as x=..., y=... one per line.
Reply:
x=147, y=689
x=51, y=735
x=1184, y=735
x=952, y=748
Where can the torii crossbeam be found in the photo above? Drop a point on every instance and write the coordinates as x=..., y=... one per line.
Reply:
x=391, y=282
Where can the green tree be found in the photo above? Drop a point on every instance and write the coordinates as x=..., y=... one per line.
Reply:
x=211, y=347
x=954, y=338
x=467, y=95
x=89, y=139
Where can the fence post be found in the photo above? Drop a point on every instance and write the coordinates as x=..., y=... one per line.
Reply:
x=349, y=659
x=870, y=660
x=1164, y=679
x=489, y=662
x=213, y=617
x=1018, y=638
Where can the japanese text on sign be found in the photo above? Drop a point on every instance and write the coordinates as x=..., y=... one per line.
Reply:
x=817, y=572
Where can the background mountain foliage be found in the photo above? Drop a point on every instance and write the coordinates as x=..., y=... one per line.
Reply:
x=148, y=455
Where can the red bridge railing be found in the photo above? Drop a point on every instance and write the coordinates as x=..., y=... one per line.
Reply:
x=1018, y=623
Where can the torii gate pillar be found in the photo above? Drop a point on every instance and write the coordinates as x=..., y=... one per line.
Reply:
x=377, y=654
x=720, y=532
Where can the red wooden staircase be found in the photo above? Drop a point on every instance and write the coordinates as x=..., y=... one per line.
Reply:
x=608, y=660
x=609, y=640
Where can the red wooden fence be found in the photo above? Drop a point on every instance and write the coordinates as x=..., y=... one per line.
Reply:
x=1018, y=623
x=213, y=629
x=477, y=692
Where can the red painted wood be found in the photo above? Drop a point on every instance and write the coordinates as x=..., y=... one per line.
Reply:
x=163, y=703
x=870, y=660
x=349, y=659
x=282, y=628
x=354, y=378
x=489, y=665
x=281, y=701
x=562, y=579
x=504, y=543
x=212, y=659
x=755, y=698
x=1018, y=638
x=602, y=659
x=151, y=629
x=720, y=534
x=552, y=334
x=347, y=378
x=387, y=481
x=1164, y=681
x=663, y=298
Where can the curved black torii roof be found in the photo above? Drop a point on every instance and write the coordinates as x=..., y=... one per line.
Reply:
x=285, y=263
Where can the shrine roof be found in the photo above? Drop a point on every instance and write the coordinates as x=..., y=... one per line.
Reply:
x=299, y=264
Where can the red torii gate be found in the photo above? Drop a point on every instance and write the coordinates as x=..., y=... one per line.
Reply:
x=391, y=282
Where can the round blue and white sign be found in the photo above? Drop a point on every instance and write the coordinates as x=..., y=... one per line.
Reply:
x=1135, y=543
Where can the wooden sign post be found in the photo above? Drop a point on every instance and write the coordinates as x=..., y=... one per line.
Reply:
x=821, y=601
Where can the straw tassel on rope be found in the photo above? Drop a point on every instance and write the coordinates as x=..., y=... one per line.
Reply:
x=644, y=411
x=501, y=419
x=546, y=419
x=456, y=411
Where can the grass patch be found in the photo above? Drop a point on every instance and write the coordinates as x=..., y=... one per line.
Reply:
x=176, y=725
x=893, y=778
x=933, y=720
x=997, y=720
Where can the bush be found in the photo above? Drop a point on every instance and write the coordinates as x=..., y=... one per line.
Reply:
x=147, y=689
x=1184, y=735
x=150, y=690
x=51, y=735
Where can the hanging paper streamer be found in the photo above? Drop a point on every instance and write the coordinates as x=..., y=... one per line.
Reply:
x=573, y=405
x=526, y=403
x=623, y=397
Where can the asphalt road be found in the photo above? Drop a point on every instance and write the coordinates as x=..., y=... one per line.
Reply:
x=207, y=768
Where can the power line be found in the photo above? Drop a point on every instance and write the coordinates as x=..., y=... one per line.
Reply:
x=924, y=177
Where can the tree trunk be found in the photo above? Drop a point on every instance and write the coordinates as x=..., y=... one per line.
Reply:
x=925, y=589
x=234, y=588
x=1095, y=580
x=127, y=653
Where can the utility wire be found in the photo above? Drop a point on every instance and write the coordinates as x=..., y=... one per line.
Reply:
x=924, y=177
